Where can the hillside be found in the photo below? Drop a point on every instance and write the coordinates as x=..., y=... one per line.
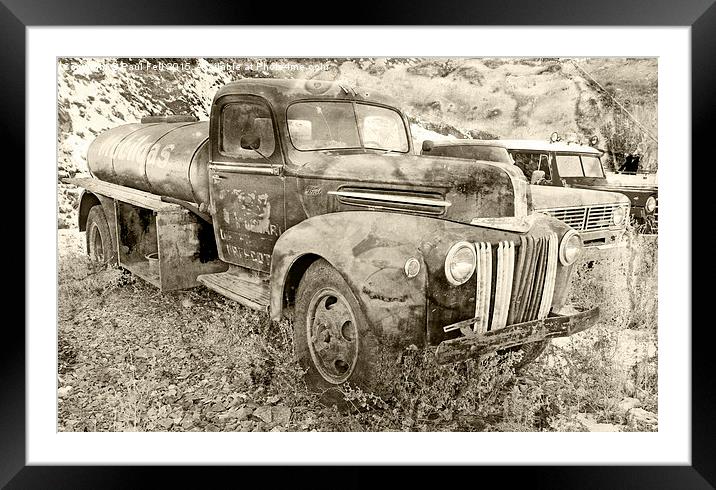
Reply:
x=461, y=98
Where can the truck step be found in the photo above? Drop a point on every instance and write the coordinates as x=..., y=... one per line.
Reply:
x=241, y=286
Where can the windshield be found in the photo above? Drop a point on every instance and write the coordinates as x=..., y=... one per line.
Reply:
x=345, y=125
x=579, y=166
x=476, y=152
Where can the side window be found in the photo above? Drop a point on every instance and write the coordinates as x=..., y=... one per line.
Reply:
x=529, y=162
x=247, y=118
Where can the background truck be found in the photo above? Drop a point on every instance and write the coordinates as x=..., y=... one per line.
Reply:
x=572, y=165
x=600, y=216
x=303, y=198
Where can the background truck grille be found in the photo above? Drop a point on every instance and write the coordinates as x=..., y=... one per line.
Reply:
x=584, y=218
x=515, y=284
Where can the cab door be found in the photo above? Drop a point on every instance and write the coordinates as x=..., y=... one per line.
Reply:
x=245, y=181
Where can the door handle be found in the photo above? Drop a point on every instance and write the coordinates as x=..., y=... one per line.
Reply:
x=217, y=177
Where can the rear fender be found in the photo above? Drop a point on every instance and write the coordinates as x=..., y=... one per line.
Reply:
x=369, y=250
x=88, y=200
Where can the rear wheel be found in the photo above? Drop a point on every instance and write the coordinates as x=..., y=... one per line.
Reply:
x=99, y=240
x=331, y=335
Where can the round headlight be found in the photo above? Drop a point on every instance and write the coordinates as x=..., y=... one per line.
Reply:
x=650, y=204
x=570, y=248
x=460, y=263
x=618, y=215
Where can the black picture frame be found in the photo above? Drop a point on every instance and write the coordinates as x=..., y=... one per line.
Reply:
x=700, y=15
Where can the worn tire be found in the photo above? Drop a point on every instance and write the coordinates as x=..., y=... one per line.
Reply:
x=99, y=240
x=530, y=352
x=332, y=339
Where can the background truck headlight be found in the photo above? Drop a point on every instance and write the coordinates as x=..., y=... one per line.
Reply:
x=618, y=215
x=570, y=248
x=650, y=204
x=460, y=263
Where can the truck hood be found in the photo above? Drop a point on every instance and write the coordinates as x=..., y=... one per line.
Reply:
x=549, y=197
x=642, y=189
x=637, y=195
x=469, y=189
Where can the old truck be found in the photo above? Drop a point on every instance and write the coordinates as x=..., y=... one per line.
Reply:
x=305, y=197
x=600, y=216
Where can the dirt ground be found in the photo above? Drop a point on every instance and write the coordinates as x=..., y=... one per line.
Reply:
x=131, y=358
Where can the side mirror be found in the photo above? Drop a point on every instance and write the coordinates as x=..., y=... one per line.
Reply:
x=250, y=142
x=537, y=177
x=428, y=145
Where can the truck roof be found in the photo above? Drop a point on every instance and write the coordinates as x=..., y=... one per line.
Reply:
x=530, y=145
x=289, y=89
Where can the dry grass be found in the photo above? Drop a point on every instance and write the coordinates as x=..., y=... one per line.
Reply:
x=134, y=359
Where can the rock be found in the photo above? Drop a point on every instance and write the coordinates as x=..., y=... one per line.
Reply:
x=244, y=413
x=479, y=134
x=628, y=403
x=229, y=415
x=64, y=391
x=629, y=387
x=638, y=417
x=217, y=407
x=278, y=428
x=273, y=400
x=588, y=422
x=263, y=414
x=187, y=302
x=187, y=422
x=281, y=414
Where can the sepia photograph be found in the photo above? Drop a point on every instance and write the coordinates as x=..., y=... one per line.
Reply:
x=358, y=244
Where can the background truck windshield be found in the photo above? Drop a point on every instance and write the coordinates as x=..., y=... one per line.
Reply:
x=579, y=166
x=345, y=125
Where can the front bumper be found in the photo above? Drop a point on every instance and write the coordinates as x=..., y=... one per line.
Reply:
x=472, y=345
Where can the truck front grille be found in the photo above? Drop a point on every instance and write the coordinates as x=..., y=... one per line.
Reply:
x=520, y=286
x=584, y=218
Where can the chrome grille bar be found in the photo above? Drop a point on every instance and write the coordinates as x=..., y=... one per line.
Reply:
x=484, y=286
x=548, y=290
x=503, y=287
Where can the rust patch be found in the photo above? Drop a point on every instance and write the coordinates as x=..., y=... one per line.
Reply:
x=370, y=242
x=387, y=299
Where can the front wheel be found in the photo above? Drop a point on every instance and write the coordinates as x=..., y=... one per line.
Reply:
x=331, y=335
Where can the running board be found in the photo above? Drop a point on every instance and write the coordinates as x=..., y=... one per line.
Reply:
x=241, y=286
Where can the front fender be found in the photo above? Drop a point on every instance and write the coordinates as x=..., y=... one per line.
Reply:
x=369, y=249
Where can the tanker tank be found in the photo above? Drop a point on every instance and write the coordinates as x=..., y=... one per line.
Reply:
x=164, y=158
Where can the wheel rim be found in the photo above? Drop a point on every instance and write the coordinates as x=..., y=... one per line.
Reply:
x=332, y=335
x=97, y=247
